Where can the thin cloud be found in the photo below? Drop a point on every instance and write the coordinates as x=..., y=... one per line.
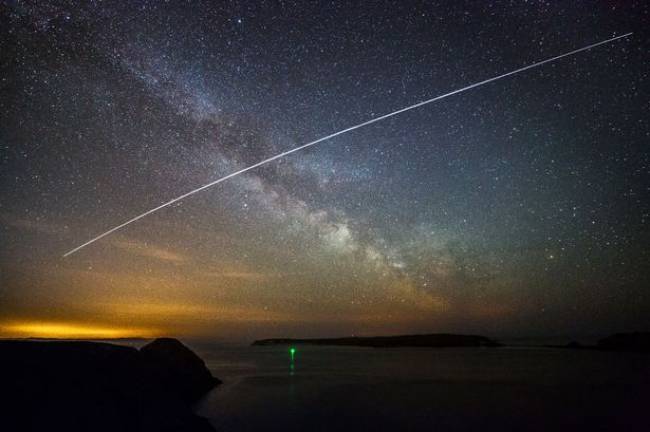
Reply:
x=149, y=251
x=36, y=225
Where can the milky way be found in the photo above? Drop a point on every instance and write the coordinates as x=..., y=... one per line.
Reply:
x=335, y=134
x=518, y=208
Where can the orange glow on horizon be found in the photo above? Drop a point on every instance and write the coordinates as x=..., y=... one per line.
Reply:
x=38, y=329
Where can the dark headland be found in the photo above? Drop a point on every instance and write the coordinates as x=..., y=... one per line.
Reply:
x=638, y=342
x=634, y=342
x=438, y=340
x=96, y=386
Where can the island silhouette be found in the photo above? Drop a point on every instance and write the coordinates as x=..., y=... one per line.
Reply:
x=435, y=340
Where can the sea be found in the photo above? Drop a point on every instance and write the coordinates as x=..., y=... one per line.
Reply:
x=319, y=388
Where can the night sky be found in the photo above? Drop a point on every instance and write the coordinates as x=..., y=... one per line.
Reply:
x=518, y=208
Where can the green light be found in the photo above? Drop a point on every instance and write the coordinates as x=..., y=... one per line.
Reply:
x=292, y=365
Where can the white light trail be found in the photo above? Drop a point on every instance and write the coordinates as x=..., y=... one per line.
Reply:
x=341, y=132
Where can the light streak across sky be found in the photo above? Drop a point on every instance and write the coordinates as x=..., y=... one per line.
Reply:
x=341, y=132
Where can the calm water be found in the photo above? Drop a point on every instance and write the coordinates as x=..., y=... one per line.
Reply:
x=332, y=388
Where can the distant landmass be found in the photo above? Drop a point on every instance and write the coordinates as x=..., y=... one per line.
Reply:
x=437, y=340
x=628, y=342
x=637, y=342
x=95, y=386
x=623, y=342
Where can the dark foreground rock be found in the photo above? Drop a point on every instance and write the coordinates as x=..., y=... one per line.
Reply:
x=178, y=369
x=439, y=340
x=633, y=342
x=90, y=386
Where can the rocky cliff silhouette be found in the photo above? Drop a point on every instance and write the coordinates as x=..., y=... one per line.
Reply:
x=92, y=386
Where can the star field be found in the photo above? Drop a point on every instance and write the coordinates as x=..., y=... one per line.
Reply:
x=520, y=207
